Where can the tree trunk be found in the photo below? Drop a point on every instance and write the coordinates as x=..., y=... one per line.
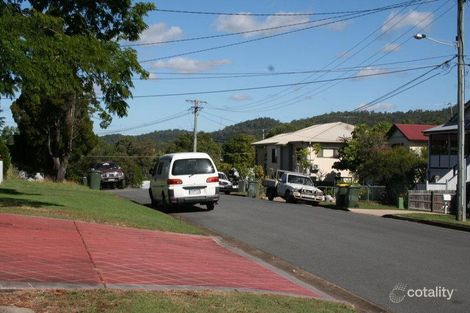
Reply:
x=60, y=139
x=61, y=169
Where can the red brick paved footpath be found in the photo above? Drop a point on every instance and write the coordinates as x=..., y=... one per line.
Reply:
x=45, y=252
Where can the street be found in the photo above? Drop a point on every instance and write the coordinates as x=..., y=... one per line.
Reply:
x=378, y=259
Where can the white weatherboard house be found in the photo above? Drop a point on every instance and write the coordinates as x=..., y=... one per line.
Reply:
x=280, y=152
x=443, y=147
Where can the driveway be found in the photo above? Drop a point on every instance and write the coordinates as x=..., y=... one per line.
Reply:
x=53, y=253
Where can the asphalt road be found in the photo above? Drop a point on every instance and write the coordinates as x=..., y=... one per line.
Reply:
x=366, y=255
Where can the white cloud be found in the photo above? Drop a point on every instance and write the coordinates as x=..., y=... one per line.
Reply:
x=240, y=97
x=391, y=47
x=379, y=107
x=242, y=23
x=160, y=32
x=338, y=26
x=370, y=71
x=397, y=21
x=185, y=65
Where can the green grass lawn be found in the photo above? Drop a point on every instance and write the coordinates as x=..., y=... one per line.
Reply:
x=370, y=205
x=374, y=205
x=164, y=302
x=439, y=218
x=72, y=201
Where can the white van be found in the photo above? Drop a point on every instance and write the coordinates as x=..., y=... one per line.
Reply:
x=184, y=178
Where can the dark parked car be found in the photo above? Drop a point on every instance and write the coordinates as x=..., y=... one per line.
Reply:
x=111, y=174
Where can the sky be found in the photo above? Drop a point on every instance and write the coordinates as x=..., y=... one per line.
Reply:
x=287, y=60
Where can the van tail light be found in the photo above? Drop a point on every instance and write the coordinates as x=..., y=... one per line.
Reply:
x=212, y=180
x=174, y=181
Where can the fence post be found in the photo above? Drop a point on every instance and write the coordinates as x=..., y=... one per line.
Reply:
x=432, y=201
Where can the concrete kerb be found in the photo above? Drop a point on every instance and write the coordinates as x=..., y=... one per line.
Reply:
x=431, y=223
x=397, y=215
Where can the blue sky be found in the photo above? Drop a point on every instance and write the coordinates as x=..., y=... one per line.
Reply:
x=371, y=46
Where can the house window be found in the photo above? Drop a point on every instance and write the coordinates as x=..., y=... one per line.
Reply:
x=273, y=155
x=439, y=144
x=329, y=153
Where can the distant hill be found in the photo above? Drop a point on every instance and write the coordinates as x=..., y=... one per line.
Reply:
x=370, y=118
x=252, y=127
x=272, y=127
x=162, y=137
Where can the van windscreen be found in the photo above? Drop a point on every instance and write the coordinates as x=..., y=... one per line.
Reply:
x=192, y=166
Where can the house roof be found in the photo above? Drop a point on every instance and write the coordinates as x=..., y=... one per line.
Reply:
x=412, y=132
x=319, y=133
x=451, y=125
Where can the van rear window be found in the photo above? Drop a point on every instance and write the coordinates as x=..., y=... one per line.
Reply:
x=192, y=166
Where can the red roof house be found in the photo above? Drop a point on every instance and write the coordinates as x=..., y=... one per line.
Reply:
x=408, y=135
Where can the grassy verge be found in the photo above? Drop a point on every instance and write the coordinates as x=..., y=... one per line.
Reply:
x=71, y=201
x=163, y=302
x=445, y=219
x=374, y=205
x=369, y=205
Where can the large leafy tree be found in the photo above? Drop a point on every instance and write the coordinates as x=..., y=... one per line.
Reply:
x=57, y=53
x=357, y=151
x=239, y=153
x=205, y=143
x=369, y=157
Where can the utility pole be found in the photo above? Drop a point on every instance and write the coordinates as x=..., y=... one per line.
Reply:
x=196, y=108
x=462, y=166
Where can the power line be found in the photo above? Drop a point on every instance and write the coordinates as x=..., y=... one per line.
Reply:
x=294, y=100
x=227, y=35
x=344, y=14
x=339, y=70
x=279, y=14
x=286, y=92
x=300, y=72
x=165, y=119
x=281, y=85
x=218, y=116
x=264, y=37
x=400, y=89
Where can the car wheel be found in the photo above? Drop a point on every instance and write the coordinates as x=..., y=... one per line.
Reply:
x=152, y=199
x=122, y=184
x=315, y=203
x=270, y=194
x=289, y=198
x=227, y=192
x=210, y=206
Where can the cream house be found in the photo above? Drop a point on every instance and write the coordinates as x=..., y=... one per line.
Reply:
x=280, y=152
x=409, y=136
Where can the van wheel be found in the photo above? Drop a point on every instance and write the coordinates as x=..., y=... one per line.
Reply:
x=152, y=200
x=166, y=207
x=210, y=206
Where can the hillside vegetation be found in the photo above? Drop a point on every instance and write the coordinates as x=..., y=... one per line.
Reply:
x=272, y=127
